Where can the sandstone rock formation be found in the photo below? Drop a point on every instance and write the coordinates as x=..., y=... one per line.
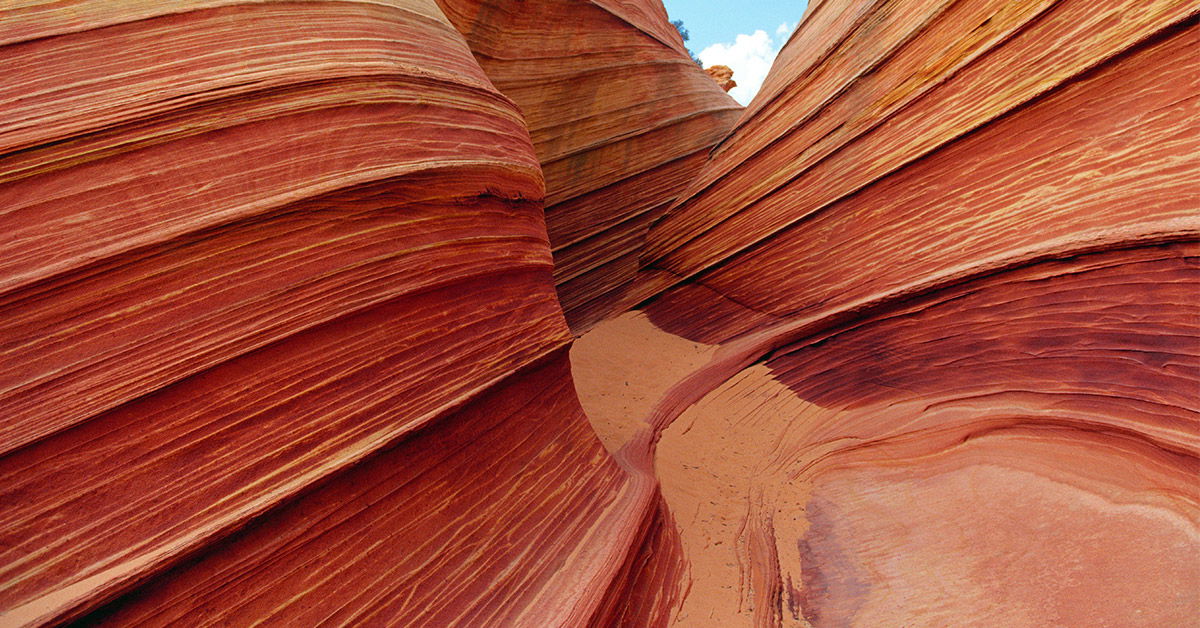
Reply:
x=621, y=119
x=279, y=326
x=916, y=338
x=723, y=75
x=952, y=252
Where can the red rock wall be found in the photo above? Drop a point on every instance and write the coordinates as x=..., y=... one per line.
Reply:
x=466, y=522
x=864, y=113
x=257, y=257
x=950, y=254
x=620, y=117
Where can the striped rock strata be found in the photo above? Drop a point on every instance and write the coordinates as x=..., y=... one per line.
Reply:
x=942, y=284
x=283, y=336
x=279, y=339
x=621, y=119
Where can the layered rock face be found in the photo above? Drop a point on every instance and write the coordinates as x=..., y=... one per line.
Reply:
x=621, y=120
x=280, y=337
x=947, y=267
x=283, y=334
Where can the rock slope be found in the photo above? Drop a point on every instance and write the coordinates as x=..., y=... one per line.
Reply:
x=947, y=267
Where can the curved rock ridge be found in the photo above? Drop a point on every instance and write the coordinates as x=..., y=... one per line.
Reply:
x=943, y=276
x=427, y=532
x=866, y=97
x=620, y=118
x=1020, y=448
x=280, y=340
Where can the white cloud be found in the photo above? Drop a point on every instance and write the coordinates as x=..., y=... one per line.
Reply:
x=750, y=57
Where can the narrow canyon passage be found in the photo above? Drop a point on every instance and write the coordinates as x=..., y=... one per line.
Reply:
x=492, y=313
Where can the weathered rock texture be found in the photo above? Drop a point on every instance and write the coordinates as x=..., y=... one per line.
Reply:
x=279, y=332
x=280, y=339
x=621, y=119
x=723, y=75
x=947, y=268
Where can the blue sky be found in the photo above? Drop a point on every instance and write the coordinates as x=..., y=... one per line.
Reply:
x=744, y=35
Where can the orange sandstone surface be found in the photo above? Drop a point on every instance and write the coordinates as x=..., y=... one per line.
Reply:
x=502, y=313
x=723, y=75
